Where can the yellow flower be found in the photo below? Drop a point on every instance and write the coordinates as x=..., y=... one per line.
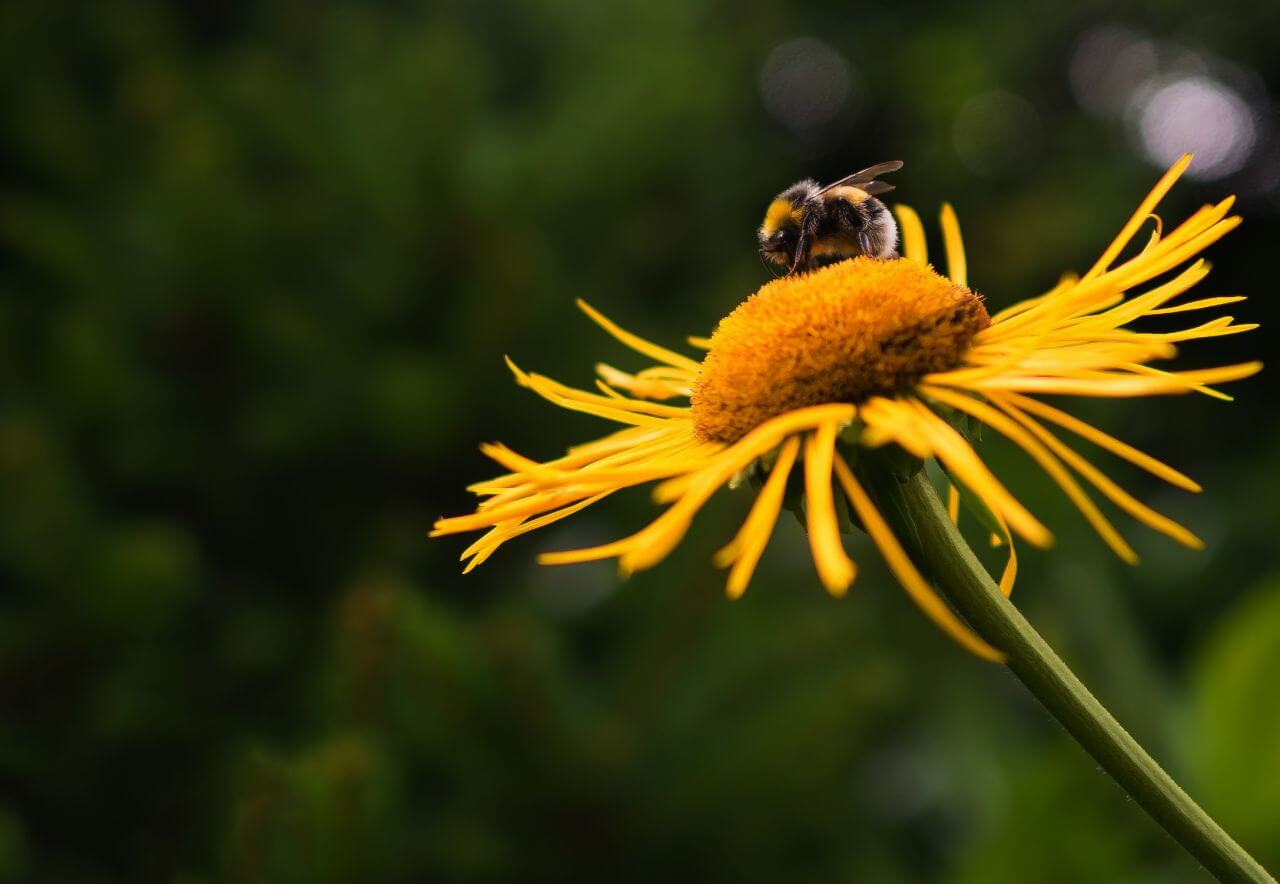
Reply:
x=874, y=353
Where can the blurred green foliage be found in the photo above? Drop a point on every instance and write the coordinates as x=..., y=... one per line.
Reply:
x=1237, y=729
x=258, y=266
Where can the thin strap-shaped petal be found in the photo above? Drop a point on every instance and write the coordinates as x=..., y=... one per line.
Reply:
x=1104, y=385
x=1146, y=267
x=1103, y=483
x=1102, y=440
x=1003, y=538
x=891, y=420
x=607, y=411
x=539, y=503
x=1041, y=455
x=835, y=568
x=942, y=440
x=908, y=575
x=500, y=534
x=1201, y=304
x=1010, y=575
x=1145, y=208
x=653, y=542
x=762, y=439
x=542, y=383
x=957, y=266
x=1065, y=282
x=745, y=549
x=1176, y=377
x=1195, y=234
x=676, y=462
x=913, y=242
x=1145, y=303
x=1214, y=328
x=539, y=477
x=645, y=388
x=637, y=343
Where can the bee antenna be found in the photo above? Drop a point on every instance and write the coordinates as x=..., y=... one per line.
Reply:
x=768, y=265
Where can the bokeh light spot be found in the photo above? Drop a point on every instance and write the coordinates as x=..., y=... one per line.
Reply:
x=805, y=84
x=1198, y=114
x=1109, y=64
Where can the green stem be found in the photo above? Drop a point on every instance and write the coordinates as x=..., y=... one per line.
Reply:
x=915, y=511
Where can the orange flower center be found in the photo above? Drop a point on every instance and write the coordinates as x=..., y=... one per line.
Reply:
x=844, y=333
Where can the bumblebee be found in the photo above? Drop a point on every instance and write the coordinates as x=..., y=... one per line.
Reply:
x=809, y=226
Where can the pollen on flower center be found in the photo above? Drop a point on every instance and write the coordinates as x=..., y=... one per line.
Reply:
x=844, y=333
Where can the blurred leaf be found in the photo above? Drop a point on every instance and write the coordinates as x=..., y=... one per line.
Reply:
x=322, y=817
x=1062, y=821
x=1235, y=725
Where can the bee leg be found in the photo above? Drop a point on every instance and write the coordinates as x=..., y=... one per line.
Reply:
x=864, y=243
x=801, y=246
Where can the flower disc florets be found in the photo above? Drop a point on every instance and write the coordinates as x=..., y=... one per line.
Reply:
x=844, y=333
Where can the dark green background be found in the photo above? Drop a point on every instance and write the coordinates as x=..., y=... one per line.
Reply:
x=260, y=263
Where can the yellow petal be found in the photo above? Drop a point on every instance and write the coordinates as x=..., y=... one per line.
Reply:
x=746, y=548
x=637, y=343
x=913, y=242
x=908, y=575
x=957, y=268
x=1024, y=440
x=835, y=569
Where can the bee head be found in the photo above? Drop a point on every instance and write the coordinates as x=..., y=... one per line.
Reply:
x=779, y=233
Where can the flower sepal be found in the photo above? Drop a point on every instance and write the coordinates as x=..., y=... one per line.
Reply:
x=962, y=422
x=895, y=460
x=880, y=470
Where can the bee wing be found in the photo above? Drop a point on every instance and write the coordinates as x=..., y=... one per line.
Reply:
x=858, y=179
x=875, y=188
x=876, y=171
